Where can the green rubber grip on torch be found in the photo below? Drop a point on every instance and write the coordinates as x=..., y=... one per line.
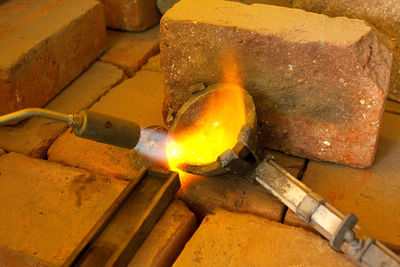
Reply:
x=107, y=129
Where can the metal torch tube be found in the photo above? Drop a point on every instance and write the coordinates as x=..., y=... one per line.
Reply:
x=36, y=112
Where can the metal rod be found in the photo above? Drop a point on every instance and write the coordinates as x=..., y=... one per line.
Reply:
x=36, y=112
x=322, y=216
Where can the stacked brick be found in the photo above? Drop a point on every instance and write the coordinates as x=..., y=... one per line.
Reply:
x=131, y=15
x=384, y=15
x=44, y=45
x=319, y=83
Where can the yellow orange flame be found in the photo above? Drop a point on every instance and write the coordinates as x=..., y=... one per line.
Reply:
x=218, y=128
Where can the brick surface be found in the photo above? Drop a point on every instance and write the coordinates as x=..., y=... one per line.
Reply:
x=1, y=152
x=153, y=64
x=292, y=219
x=12, y=258
x=232, y=239
x=131, y=50
x=33, y=137
x=138, y=99
x=385, y=16
x=168, y=237
x=319, y=83
x=44, y=45
x=372, y=194
x=164, y=5
x=47, y=208
x=286, y=3
x=130, y=15
x=393, y=107
x=205, y=194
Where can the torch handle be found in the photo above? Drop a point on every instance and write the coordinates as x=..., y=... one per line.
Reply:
x=87, y=124
x=107, y=129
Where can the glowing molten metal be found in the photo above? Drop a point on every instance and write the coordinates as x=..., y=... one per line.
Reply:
x=213, y=130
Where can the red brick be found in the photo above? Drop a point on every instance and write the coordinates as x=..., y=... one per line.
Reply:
x=292, y=219
x=153, y=64
x=393, y=107
x=164, y=5
x=319, y=83
x=130, y=15
x=373, y=194
x=233, y=239
x=130, y=50
x=384, y=15
x=12, y=258
x=33, y=137
x=96, y=157
x=168, y=237
x=44, y=45
x=47, y=209
x=205, y=194
x=286, y=3
x=138, y=99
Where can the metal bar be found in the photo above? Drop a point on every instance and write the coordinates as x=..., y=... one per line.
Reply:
x=36, y=112
x=279, y=185
x=322, y=216
x=325, y=221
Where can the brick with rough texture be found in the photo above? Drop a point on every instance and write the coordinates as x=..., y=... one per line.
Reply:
x=164, y=5
x=44, y=45
x=292, y=219
x=384, y=15
x=130, y=50
x=2, y=152
x=47, y=209
x=286, y=3
x=33, y=137
x=12, y=258
x=393, y=107
x=373, y=194
x=153, y=64
x=130, y=15
x=233, y=239
x=319, y=83
x=168, y=237
x=138, y=99
x=205, y=194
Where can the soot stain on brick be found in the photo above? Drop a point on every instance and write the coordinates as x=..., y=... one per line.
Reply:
x=326, y=106
x=79, y=184
x=137, y=161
